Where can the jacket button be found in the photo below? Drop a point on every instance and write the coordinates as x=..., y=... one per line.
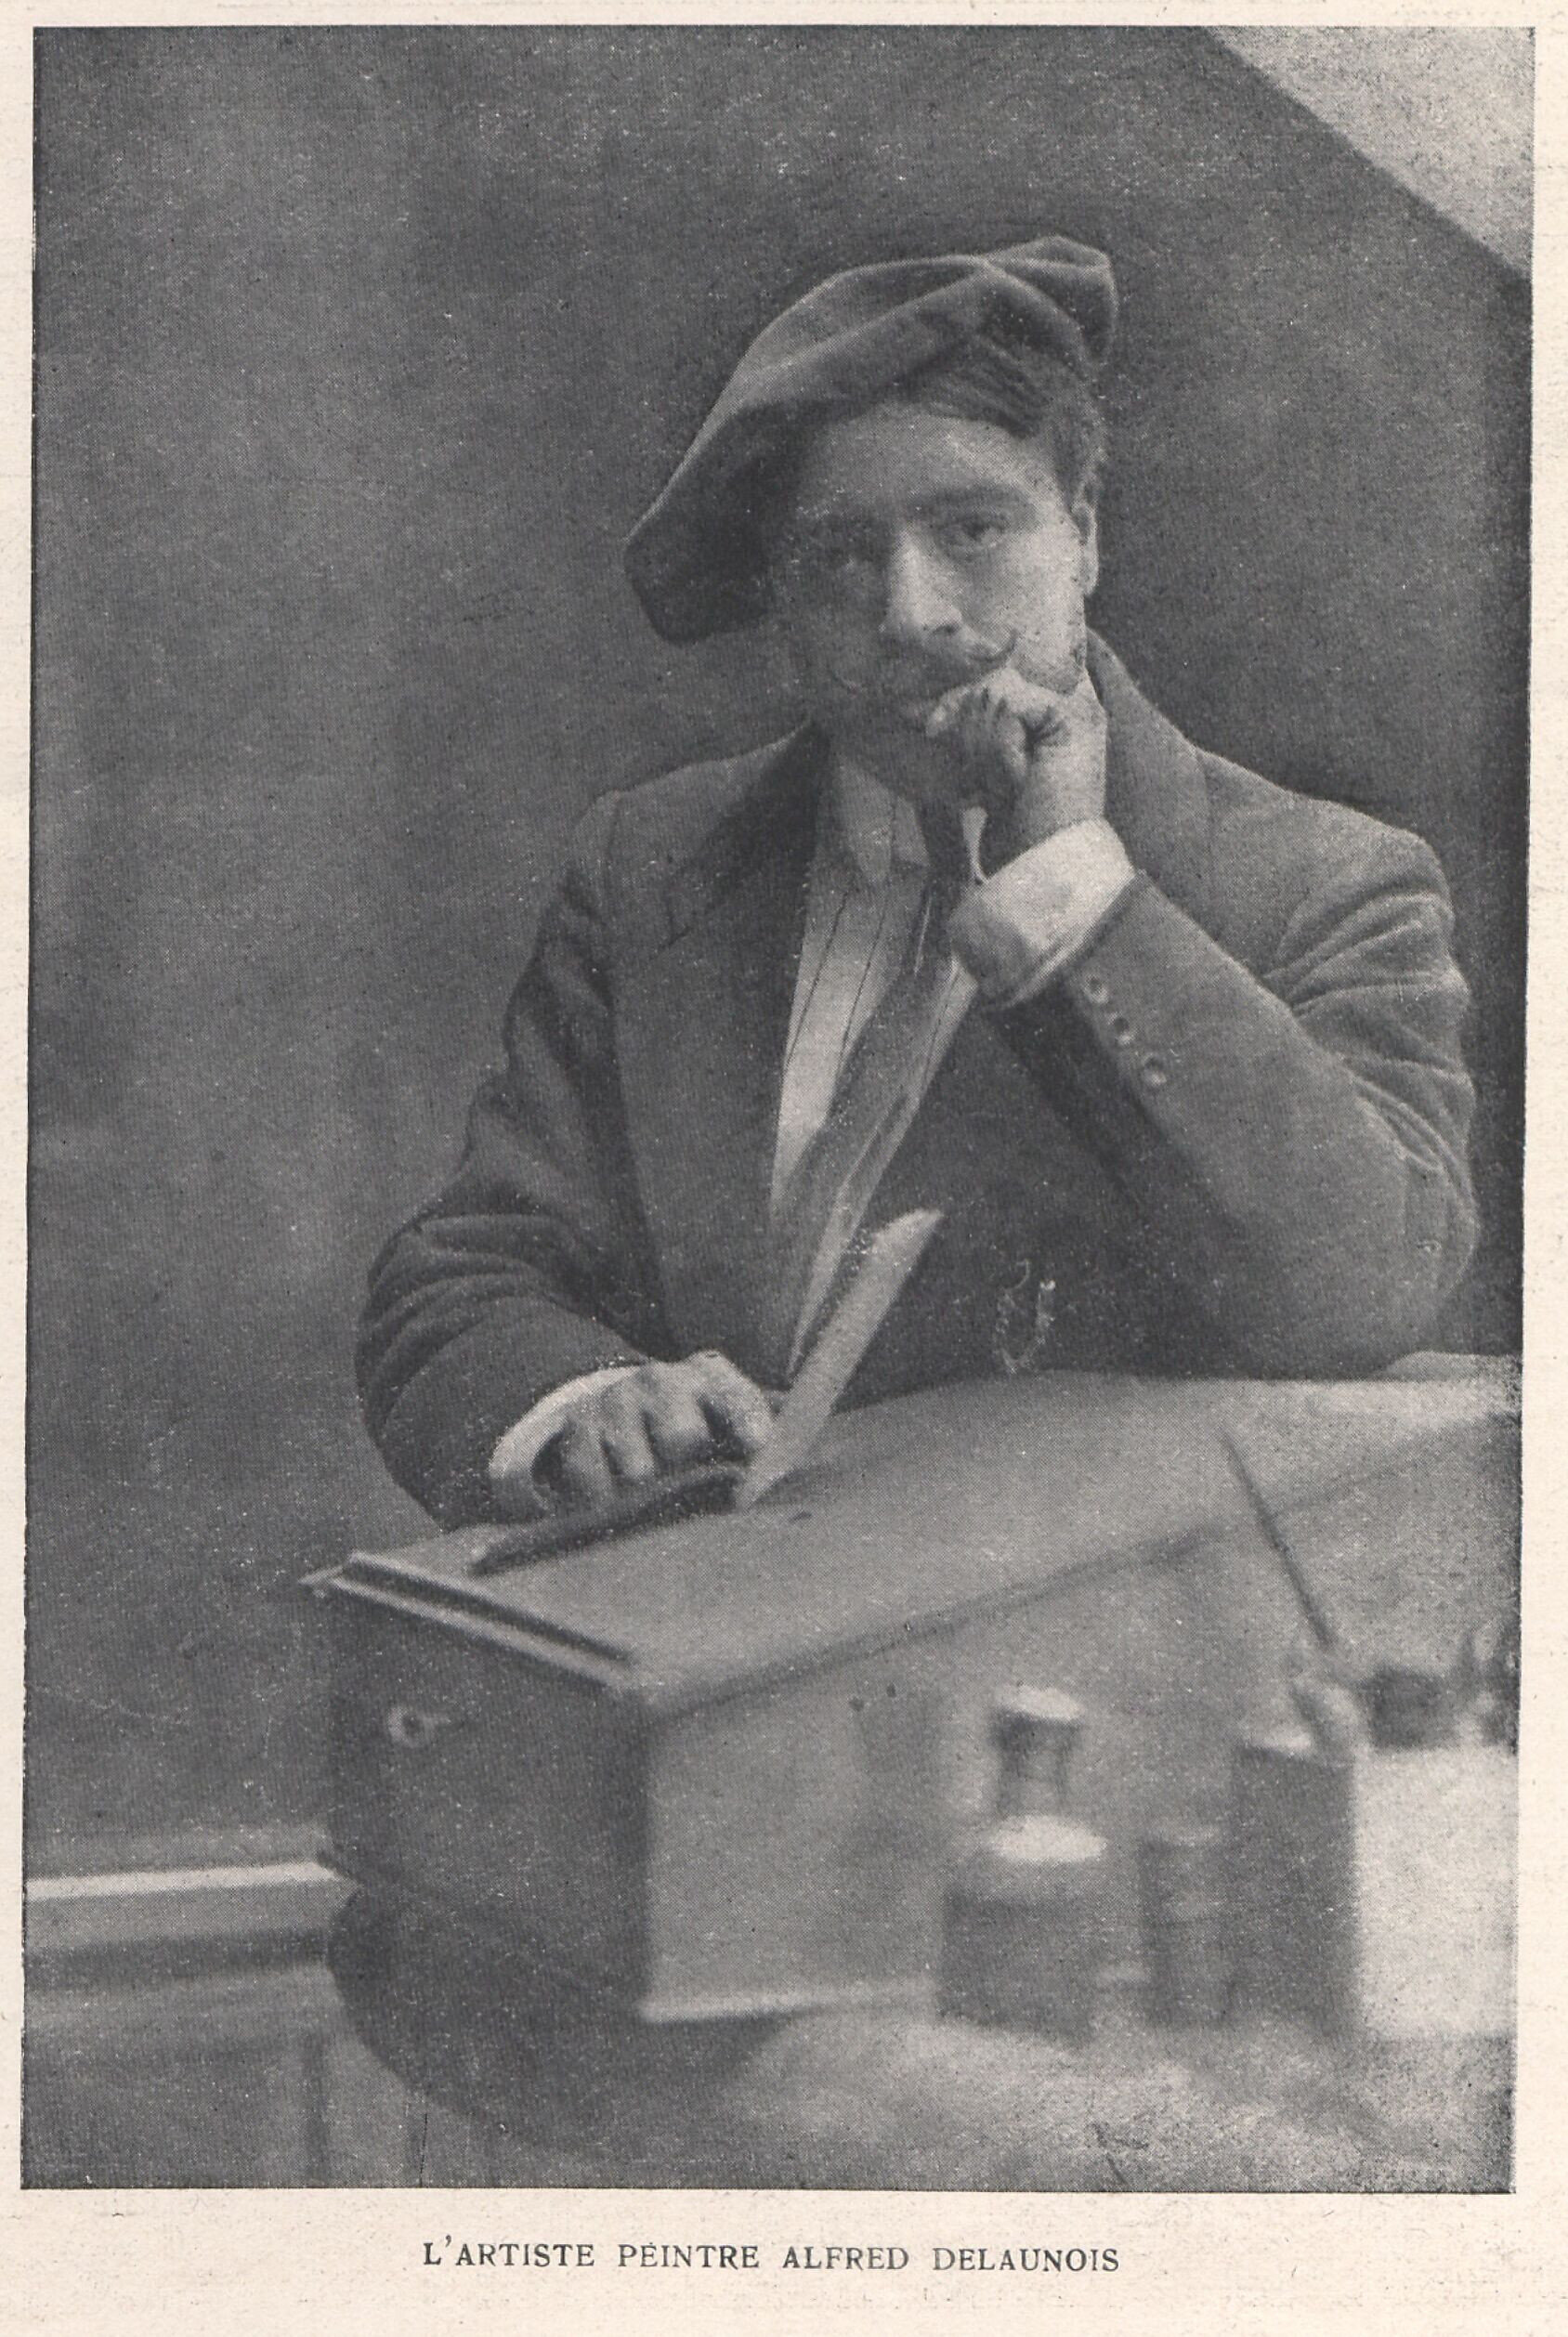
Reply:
x=1155, y=1071
x=1095, y=988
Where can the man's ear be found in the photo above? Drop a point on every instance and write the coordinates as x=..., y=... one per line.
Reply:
x=1086, y=519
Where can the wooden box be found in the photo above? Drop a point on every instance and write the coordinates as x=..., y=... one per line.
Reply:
x=718, y=1765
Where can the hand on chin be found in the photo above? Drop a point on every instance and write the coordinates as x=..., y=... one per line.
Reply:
x=1033, y=757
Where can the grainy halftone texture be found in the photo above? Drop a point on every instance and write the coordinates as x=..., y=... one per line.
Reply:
x=359, y=350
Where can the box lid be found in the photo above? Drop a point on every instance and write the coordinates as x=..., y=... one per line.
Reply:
x=917, y=1512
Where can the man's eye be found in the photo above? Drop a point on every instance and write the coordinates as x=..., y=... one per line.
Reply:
x=973, y=535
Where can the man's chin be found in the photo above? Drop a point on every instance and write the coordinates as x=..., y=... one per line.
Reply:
x=894, y=748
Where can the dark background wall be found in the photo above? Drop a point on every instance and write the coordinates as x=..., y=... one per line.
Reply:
x=358, y=352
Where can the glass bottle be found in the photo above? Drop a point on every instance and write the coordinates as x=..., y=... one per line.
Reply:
x=1023, y=1929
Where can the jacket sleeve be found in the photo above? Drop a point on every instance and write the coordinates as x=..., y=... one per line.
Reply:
x=1295, y=1138
x=531, y=1267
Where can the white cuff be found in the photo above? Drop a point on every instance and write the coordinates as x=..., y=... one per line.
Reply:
x=1022, y=925
x=512, y=1463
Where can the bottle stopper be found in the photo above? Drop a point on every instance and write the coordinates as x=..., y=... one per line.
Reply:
x=1035, y=1730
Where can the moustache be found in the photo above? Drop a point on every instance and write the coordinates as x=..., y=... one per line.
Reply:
x=900, y=688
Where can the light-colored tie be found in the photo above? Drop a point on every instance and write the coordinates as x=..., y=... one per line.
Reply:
x=828, y=1191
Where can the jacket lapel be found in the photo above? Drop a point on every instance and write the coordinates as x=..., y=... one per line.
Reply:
x=1157, y=798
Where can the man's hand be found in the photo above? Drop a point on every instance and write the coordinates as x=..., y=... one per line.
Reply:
x=645, y=1421
x=1033, y=758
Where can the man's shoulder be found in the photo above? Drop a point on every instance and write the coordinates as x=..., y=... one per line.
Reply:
x=1242, y=852
x=1262, y=831
x=668, y=820
x=654, y=854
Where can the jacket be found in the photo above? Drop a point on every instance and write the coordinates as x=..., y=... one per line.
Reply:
x=1230, y=1138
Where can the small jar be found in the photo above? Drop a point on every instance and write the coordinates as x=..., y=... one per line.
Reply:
x=1023, y=1933
x=1183, y=1888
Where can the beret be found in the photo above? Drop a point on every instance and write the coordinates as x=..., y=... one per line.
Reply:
x=692, y=558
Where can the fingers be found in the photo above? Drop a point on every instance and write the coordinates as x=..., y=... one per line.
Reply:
x=658, y=1417
x=991, y=734
x=623, y=1433
x=579, y=1466
x=1031, y=757
x=735, y=1405
x=702, y=1406
x=678, y=1427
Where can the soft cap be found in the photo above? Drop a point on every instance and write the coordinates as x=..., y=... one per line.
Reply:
x=693, y=559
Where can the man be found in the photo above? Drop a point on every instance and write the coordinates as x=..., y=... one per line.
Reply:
x=1175, y=1053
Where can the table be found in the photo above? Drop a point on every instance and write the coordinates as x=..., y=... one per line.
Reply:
x=540, y=2089
x=545, y=2081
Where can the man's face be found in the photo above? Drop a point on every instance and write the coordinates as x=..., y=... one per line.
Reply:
x=918, y=553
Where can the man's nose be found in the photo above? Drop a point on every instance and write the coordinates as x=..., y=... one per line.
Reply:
x=917, y=603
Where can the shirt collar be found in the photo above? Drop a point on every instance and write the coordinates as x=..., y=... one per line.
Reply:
x=879, y=831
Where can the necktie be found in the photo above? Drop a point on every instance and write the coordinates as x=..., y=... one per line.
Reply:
x=824, y=1204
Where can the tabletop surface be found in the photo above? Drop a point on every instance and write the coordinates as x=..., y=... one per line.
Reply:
x=913, y=1512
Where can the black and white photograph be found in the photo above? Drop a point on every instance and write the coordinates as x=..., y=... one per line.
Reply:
x=776, y=1051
